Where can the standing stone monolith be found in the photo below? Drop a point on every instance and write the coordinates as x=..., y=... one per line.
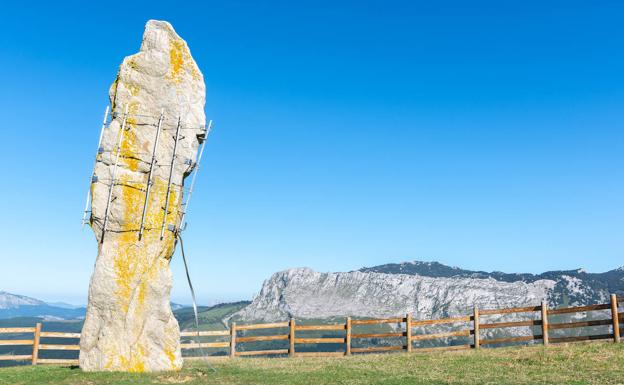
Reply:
x=129, y=324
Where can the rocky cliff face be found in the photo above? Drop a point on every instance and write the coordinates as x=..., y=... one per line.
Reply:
x=304, y=293
x=424, y=289
x=129, y=325
x=573, y=287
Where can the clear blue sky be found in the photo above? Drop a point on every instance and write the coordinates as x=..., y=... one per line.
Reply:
x=483, y=134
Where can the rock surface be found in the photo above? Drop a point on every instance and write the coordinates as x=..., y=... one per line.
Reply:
x=574, y=287
x=129, y=324
x=304, y=293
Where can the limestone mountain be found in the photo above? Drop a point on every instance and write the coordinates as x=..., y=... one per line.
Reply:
x=425, y=289
x=573, y=286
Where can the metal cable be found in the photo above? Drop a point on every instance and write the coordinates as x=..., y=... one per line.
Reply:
x=188, y=279
x=116, y=115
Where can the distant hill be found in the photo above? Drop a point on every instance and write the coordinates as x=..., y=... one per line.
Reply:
x=210, y=317
x=12, y=301
x=22, y=310
x=14, y=305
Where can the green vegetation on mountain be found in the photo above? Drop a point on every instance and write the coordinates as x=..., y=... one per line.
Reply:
x=612, y=280
x=576, y=284
x=210, y=317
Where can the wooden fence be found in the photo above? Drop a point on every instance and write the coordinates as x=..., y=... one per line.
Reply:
x=469, y=327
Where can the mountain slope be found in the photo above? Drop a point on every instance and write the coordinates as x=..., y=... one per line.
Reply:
x=424, y=289
x=210, y=317
x=573, y=286
x=304, y=293
x=13, y=305
x=13, y=301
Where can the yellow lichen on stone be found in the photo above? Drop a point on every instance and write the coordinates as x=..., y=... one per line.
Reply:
x=130, y=148
x=170, y=344
x=130, y=258
x=155, y=212
x=180, y=59
x=132, y=64
x=176, y=60
x=134, y=89
x=135, y=362
x=134, y=267
x=172, y=217
x=169, y=352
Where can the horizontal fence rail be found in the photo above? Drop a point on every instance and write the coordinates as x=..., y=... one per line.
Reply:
x=400, y=334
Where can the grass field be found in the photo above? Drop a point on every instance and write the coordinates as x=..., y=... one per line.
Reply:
x=598, y=363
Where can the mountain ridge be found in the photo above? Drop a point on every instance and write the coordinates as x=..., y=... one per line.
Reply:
x=611, y=281
x=437, y=269
x=12, y=301
x=425, y=289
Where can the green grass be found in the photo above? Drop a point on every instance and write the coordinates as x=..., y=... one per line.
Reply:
x=598, y=363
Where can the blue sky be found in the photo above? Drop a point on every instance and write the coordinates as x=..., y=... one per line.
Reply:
x=484, y=134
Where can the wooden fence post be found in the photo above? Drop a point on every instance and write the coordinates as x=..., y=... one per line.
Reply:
x=475, y=319
x=233, y=340
x=545, y=322
x=348, y=337
x=291, y=337
x=615, y=316
x=408, y=332
x=37, y=337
